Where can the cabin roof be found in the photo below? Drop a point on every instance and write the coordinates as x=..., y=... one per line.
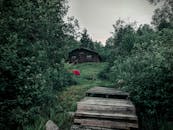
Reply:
x=83, y=49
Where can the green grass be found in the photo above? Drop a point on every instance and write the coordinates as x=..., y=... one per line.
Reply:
x=89, y=73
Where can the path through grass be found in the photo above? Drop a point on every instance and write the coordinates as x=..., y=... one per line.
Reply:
x=72, y=94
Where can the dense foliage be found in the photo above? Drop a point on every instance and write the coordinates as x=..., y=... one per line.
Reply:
x=86, y=41
x=140, y=61
x=33, y=34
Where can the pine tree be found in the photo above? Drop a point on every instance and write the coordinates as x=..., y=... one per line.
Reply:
x=86, y=41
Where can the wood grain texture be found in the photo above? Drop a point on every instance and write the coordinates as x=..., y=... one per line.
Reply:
x=107, y=93
x=105, y=115
x=105, y=108
x=105, y=123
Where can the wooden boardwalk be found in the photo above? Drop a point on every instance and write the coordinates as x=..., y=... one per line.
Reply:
x=105, y=109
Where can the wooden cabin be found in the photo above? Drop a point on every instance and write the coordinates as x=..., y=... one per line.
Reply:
x=81, y=55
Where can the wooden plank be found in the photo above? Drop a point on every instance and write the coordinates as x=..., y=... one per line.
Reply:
x=106, y=108
x=105, y=123
x=90, y=114
x=80, y=127
x=105, y=101
x=106, y=92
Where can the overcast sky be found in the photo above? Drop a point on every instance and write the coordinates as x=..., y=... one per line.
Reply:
x=98, y=16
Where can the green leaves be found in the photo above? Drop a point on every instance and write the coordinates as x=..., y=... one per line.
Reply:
x=142, y=64
x=33, y=38
x=86, y=41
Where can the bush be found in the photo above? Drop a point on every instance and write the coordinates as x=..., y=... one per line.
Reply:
x=146, y=73
x=31, y=68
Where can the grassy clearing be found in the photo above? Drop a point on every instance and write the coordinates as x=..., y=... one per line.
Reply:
x=89, y=73
x=71, y=95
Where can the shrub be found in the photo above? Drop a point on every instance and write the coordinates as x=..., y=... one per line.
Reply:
x=31, y=68
x=147, y=75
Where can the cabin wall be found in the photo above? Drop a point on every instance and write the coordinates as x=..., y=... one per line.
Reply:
x=83, y=56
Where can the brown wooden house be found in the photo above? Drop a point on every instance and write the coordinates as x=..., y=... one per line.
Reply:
x=81, y=55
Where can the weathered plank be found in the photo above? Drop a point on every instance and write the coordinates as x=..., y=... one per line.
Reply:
x=105, y=123
x=80, y=127
x=106, y=105
x=89, y=114
x=107, y=93
x=106, y=108
x=105, y=101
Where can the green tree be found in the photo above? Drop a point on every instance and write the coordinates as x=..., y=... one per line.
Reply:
x=86, y=41
x=145, y=71
x=109, y=42
x=163, y=16
x=32, y=45
x=123, y=38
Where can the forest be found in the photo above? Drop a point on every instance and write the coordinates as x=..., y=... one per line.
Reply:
x=36, y=83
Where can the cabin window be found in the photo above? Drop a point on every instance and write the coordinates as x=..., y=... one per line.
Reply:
x=89, y=57
x=81, y=53
x=73, y=57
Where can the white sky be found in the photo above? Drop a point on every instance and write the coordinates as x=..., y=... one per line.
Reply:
x=98, y=16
